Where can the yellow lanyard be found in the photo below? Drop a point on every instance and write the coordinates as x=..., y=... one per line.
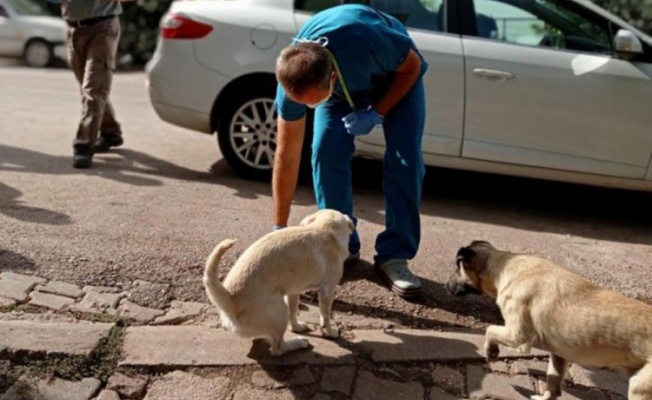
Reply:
x=341, y=79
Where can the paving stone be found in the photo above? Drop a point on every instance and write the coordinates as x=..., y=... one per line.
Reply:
x=302, y=376
x=51, y=301
x=98, y=302
x=482, y=385
x=57, y=389
x=180, y=385
x=428, y=345
x=338, y=380
x=22, y=277
x=437, y=393
x=367, y=386
x=181, y=311
x=129, y=387
x=108, y=395
x=499, y=366
x=61, y=289
x=149, y=294
x=310, y=314
x=200, y=346
x=5, y=302
x=17, y=287
x=449, y=379
x=135, y=313
x=249, y=393
x=101, y=289
x=529, y=367
x=261, y=379
x=601, y=378
x=569, y=393
x=52, y=338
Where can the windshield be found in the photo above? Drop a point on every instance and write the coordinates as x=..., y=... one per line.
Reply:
x=29, y=8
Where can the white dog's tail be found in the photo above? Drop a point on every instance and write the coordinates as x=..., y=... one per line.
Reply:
x=214, y=289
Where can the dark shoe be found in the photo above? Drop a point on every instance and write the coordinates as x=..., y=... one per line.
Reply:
x=351, y=260
x=104, y=143
x=83, y=156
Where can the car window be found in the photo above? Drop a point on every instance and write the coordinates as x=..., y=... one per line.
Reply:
x=543, y=23
x=418, y=14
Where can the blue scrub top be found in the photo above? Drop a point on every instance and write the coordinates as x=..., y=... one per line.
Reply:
x=367, y=44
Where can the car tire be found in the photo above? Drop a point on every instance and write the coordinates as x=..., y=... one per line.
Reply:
x=246, y=133
x=38, y=53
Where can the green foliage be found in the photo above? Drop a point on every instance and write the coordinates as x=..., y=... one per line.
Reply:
x=636, y=12
x=140, y=29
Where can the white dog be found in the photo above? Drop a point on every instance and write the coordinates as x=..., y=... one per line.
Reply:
x=260, y=295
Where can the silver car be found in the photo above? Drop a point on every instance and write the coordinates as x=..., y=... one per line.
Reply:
x=550, y=89
x=28, y=30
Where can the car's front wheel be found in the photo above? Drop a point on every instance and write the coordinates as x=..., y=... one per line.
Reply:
x=38, y=53
x=246, y=132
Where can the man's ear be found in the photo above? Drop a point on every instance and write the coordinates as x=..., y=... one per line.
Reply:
x=464, y=258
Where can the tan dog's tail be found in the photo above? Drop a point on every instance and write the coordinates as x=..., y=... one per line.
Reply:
x=214, y=289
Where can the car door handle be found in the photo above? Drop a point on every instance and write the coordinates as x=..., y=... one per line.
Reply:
x=493, y=74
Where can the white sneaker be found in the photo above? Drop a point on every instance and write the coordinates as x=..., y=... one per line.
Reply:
x=397, y=274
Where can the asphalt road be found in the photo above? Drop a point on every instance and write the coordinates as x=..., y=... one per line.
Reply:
x=155, y=208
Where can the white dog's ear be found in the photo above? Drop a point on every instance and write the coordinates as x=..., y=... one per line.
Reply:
x=308, y=220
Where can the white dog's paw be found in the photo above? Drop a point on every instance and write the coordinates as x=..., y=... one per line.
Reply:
x=330, y=332
x=299, y=343
x=546, y=396
x=300, y=328
x=525, y=348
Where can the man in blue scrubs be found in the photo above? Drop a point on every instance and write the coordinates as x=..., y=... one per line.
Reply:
x=358, y=68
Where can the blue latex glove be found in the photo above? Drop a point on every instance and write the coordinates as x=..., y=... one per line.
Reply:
x=362, y=122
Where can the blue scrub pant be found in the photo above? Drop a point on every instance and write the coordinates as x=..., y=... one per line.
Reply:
x=403, y=171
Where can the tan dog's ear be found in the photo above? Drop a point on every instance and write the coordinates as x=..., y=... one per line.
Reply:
x=351, y=224
x=464, y=258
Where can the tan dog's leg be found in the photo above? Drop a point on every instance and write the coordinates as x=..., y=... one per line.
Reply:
x=557, y=368
x=292, y=301
x=640, y=384
x=515, y=334
x=326, y=298
x=276, y=322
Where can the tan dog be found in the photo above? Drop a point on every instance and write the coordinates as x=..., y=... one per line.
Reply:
x=574, y=319
x=261, y=292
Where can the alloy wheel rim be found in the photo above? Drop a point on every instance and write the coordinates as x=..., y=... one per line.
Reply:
x=252, y=133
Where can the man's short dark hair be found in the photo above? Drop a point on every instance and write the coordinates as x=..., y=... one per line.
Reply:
x=303, y=66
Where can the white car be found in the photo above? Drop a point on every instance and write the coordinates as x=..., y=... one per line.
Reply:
x=30, y=31
x=550, y=89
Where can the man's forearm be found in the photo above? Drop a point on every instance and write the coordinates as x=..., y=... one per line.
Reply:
x=401, y=83
x=287, y=159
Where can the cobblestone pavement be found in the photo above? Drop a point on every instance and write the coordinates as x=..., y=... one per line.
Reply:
x=61, y=341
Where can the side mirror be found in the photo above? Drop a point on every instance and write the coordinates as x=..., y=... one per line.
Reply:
x=627, y=44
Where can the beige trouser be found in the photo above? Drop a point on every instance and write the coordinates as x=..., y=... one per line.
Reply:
x=92, y=52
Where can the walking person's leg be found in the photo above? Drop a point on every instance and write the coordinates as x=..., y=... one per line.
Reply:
x=403, y=172
x=101, y=47
x=110, y=129
x=332, y=150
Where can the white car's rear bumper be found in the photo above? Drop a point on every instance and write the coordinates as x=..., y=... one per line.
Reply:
x=181, y=90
